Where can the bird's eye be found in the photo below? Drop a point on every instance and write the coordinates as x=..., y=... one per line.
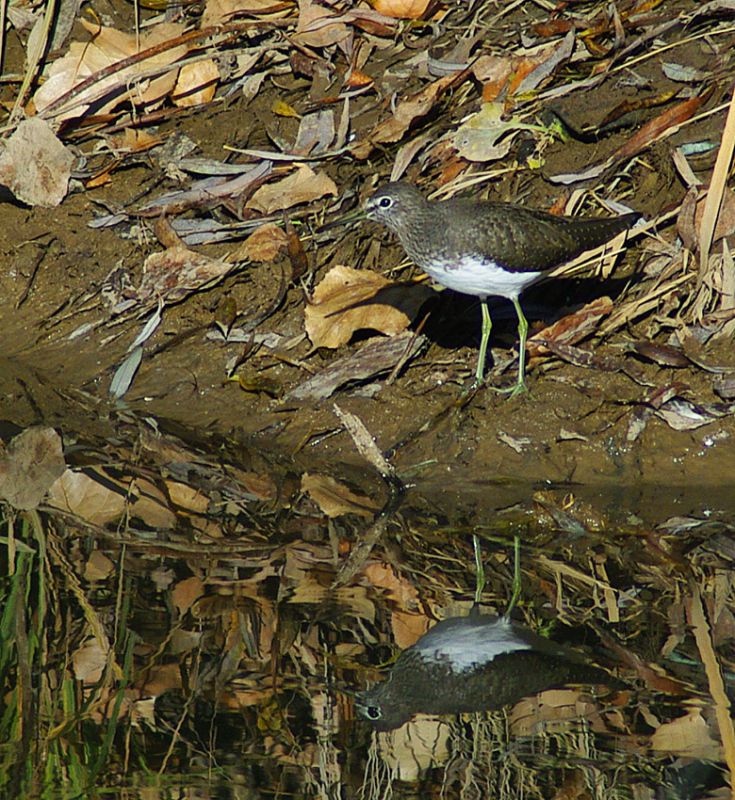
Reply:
x=372, y=712
x=385, y=202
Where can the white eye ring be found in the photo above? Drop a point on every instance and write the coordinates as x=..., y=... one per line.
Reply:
x=385, y=202
x=373, y=712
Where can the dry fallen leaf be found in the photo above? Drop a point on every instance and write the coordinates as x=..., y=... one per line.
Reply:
x=35, y=165
x=479, y=138
x=415, y=107
x=400, y=9
x=316, y=26
x=176, y=272
x=217, y=11
x=301, y=186
x=196, y=84
x=107, y=47
x=264, y=244
x=340, y=306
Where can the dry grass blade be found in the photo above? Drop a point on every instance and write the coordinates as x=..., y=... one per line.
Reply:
x=716, y=190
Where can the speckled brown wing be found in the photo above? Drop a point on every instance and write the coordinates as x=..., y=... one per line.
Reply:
x=523, y=239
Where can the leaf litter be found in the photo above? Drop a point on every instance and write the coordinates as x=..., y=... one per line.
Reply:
x=581, y=106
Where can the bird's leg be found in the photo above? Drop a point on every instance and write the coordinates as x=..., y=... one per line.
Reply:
x=479, y=569
x=487, y=325
x=520, y=386
x=522, y=336
x=516, y=576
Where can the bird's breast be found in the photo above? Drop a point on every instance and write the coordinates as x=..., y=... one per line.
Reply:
x=480, y=277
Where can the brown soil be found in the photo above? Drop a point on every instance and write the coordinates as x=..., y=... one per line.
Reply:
x=570, y=427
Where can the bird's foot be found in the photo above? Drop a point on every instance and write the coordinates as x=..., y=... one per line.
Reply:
x=519, y=388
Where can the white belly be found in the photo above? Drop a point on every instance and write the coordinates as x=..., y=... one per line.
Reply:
x=480, y=278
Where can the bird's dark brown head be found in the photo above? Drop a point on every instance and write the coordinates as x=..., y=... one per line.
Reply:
x=382, y=708
x=395, y=204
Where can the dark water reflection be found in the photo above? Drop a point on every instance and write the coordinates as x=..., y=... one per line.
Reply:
x=208, y=642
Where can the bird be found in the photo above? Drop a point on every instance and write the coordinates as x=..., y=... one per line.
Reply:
x=484, y=248
x=473, y=663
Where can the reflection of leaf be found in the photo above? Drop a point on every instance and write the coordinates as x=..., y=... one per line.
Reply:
x=335, y=499
x=29, y=466
x=688, y=736
x=553, y=710
x=186, y=593
x=89, y=661
x=301, y=186
x=93, y=501
x=339, y=307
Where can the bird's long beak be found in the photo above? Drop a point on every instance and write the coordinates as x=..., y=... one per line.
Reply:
x=347, y=219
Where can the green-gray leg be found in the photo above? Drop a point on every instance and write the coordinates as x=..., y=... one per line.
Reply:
x=522, y=336
x=516, y=576
x=479, y=570
x=487, y=325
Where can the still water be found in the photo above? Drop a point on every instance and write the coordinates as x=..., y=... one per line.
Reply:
x=198, y=619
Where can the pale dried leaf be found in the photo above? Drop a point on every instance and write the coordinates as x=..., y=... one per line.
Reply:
x=217, y=11
x=400, y=9
x=107, y=47
x=373, y=358
x=196, y=84
x=479, y=139
x=264, y=244
x=302, y=186
x=35, y=165
x=339, y=306
x=316, y=26
x=176, y=272
x=407, y=112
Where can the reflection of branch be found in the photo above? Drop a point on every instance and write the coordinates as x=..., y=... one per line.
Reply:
x=703, y=638
x=361, y=552
x=366, y=446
